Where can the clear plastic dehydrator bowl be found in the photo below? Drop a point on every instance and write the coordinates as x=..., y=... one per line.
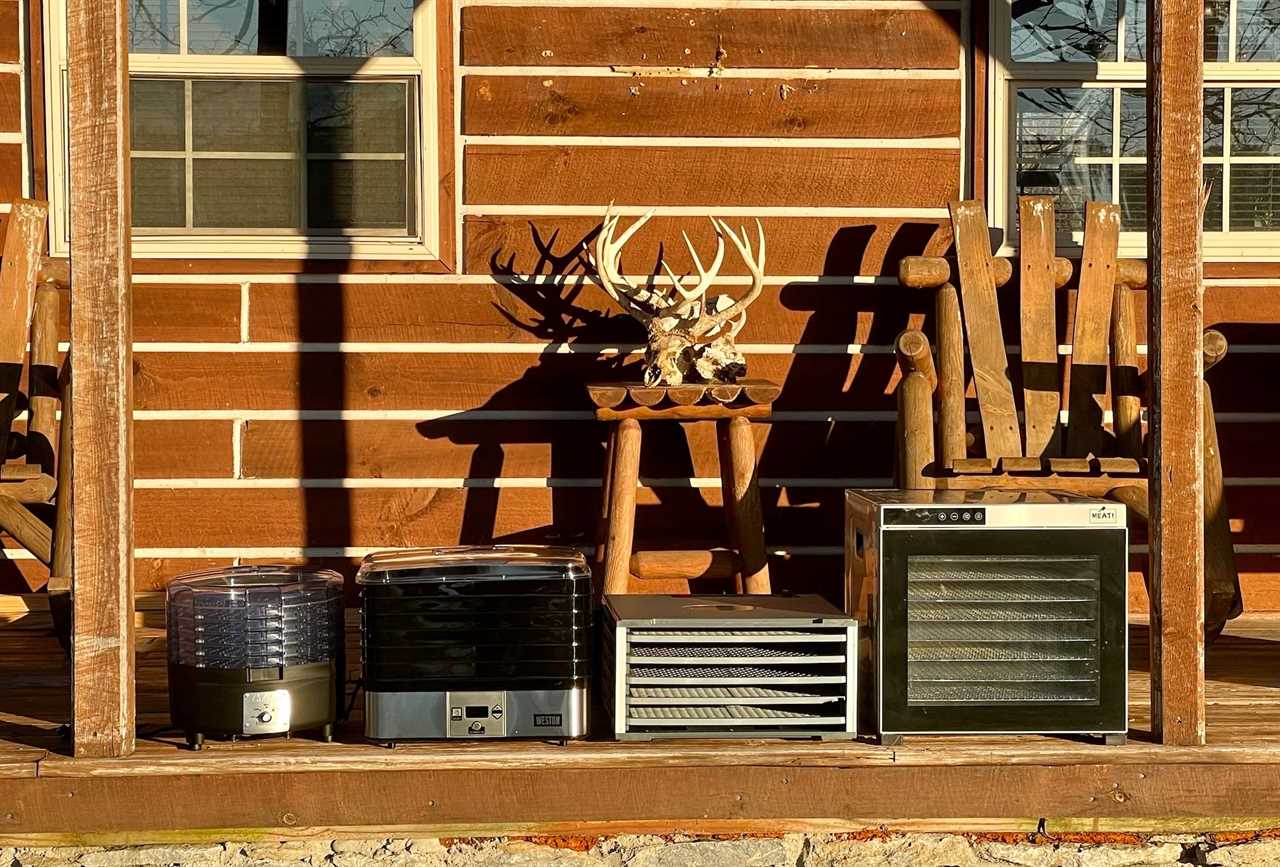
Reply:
x=254, y=617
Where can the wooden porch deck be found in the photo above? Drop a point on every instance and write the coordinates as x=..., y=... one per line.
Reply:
x=285, y=787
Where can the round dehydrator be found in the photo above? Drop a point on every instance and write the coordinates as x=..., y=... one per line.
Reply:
x=255, y=650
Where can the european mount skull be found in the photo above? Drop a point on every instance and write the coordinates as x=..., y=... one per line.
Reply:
x=691, y=337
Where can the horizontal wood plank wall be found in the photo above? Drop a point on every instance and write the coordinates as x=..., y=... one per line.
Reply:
x=318, y=416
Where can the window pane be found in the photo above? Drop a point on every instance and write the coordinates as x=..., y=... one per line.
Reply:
x=356, y=194
x=1133, y=122
x=1079, y=31
x=1255, y=121
x=1133, y=198
x=254, y=116
x=350, y=28
x=350, y=117
x=1217, y=30
x=1255, y=198
x=1257, y=30
x=153, y=26
x=1055, y=126
x=159, y=193
x=302, y=28
x=222, y=27
x=156, y=109
x=232, y=194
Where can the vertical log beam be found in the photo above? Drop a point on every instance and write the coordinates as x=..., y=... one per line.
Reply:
x=101, y=363
x=1175, y=71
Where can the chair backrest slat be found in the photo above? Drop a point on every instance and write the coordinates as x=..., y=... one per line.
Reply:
x=1090, y=343
x=23, y=244
x=1041, y=375
x=982, y=325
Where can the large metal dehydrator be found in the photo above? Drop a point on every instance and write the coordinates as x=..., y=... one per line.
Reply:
x=991, y=611
x=475, y=642
x=729, y=667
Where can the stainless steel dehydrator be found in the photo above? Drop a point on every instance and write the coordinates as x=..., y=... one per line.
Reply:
x=996, y=611
x=729, y=667
x=475, y=642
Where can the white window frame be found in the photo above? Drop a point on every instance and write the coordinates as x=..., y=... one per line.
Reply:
x=1007, y=76
x=423, y=243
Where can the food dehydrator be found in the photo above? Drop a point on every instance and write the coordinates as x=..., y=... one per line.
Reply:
x=729, y=667
x=476, y=642
x=254, y=650
x=992, y=611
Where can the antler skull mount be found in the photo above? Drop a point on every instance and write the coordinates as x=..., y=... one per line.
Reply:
x=691, y=336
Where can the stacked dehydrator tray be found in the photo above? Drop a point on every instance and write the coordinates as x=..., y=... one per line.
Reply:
x=476, y=643
x=254, y=650
x=729, y=666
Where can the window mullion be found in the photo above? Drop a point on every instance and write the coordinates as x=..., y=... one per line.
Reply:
x=303, y=160
x=1226, y=154
x=183, y=25
x=189, y=160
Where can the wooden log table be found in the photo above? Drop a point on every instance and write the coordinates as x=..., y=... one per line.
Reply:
x=731, y=407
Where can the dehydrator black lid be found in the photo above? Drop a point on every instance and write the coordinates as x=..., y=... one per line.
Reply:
x=490, y=562
x=728, y=610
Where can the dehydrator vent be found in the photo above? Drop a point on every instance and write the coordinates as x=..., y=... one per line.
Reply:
x=745, y=682
x=1002, y=630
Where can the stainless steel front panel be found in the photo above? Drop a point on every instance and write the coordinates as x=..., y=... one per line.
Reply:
x=555, y=713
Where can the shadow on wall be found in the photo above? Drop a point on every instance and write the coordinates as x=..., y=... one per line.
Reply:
x=552, y=299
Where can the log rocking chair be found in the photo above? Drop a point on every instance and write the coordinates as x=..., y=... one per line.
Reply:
x=35, y=501
x=1081, y=455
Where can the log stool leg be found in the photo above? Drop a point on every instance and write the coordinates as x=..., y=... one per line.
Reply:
x=602, y=520
x=726, y=492
x=742, y=503
x=622, y=506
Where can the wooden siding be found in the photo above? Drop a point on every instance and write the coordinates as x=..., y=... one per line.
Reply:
x=290, y=413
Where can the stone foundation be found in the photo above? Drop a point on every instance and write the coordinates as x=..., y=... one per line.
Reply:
x=791, y=850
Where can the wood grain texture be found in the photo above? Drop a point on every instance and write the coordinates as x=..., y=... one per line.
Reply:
x=1091, y=342
x=982, y=325
x=620, y=516
x=42, y=381
x=10, y=103
x=1222, y=598
x=23, y=244
x=1175, y=107
x=733, y=38
x=664, y=106
x=547, y=247
x=708, y=176
x=101, y=336
x=743, y=510
x=466, y=381
x=10, y=30
x=456, y=448
x=1041, y=383
x=1126, y=383
x=571, y=311
x=949, y=397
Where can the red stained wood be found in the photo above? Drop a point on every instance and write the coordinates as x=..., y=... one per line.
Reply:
x=1174, y=119
x=709, y=176
x=466, y=381
x=778, y=37
x=799, y=246
x=664, y=106
x=102, y=400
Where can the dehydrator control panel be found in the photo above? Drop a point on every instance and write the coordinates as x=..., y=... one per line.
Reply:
x=967, y=516
x=267, y=713
x=477, y=714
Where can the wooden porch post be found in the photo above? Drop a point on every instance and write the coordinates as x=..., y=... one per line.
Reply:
x=1175, y=69
x=101, y=363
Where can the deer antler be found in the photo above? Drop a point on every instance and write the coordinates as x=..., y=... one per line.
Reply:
x=639, y=302
x=736, y=313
